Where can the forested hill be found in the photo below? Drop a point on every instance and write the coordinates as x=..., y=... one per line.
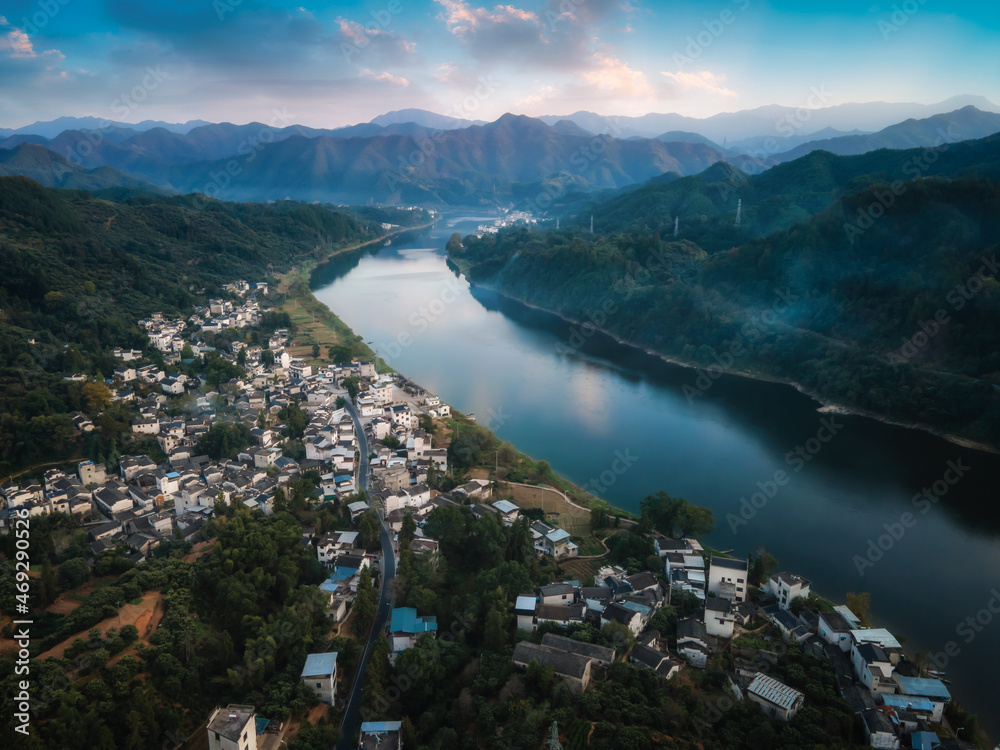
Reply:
x=79, y=271
x=705, y=204
x=888, y=313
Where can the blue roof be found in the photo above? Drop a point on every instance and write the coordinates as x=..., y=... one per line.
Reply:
x=320, y=664
x=343, y=478
x=261, y=725
x=642, y=609
x=917, y=702
x=405, y=620
x=380, y=726
x=341, y=573
x=558, y=535
x=924, y=740
x=925, y=686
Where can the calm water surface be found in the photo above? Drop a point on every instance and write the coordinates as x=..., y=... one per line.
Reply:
x=524, y=373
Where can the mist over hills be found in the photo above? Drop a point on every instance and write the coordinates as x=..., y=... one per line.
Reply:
x=415, y=156
x=774, y=120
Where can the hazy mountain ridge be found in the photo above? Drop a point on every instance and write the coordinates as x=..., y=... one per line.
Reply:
x=961, y=125
x=49, y=169
x=515, y=160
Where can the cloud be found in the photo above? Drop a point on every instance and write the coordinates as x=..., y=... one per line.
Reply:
x=704, y=80
x=544, y=94
x=17, y=44
x=612, y=75
x=385, y=77
x=462, y=18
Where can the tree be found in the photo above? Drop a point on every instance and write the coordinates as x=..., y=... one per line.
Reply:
x=353, y=386
x=280, y=500
x=859, y=604
x=315, y=351
x=599, y=518
x=695, y=520
x=48, y=585
x=369, y=528
x=340, y=354
x=241, y=357
x=761, y=567
x=96, y=397
x=73, y=573
x=365, y=603
x=186, y=351
x=267, y=357
x=543, y=468
x=408, y=531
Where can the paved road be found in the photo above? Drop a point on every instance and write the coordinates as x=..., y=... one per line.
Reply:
x=352, y=714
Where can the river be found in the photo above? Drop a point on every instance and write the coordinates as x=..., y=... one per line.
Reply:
x=837, y=499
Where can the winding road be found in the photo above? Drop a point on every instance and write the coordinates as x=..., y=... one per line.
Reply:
x=352, y=713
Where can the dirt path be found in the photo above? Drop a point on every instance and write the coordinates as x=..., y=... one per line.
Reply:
x=65, y=603
x=201, y=548
x=145, y=616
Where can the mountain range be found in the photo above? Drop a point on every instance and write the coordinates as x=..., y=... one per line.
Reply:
x=413, y=156
x=774, y=120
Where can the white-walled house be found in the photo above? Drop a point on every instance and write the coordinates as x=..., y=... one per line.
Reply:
x=719, y=617
x=728, y=578
x=786, y=587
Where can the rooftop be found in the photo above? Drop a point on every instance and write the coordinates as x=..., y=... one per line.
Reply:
x=927, y=687
x=231, y=721
x=774, y=692
x=405, y=620
x=725, y=562
x=320, y=665
x=880, y=636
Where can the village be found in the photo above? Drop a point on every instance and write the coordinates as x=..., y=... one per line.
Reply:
x=365, y=440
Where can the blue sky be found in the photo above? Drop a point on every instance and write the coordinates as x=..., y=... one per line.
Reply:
x=332, y=64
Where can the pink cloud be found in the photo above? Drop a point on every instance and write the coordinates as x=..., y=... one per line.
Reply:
x=704, y=80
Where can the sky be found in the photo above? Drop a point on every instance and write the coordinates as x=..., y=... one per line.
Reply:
x=332, y=64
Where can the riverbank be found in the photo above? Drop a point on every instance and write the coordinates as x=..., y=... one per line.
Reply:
x=826, y=405
x=317, y=324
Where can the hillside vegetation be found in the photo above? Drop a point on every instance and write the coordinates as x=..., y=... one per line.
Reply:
x=865, y=289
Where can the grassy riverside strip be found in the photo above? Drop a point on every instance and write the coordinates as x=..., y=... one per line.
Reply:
x=316, y=323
